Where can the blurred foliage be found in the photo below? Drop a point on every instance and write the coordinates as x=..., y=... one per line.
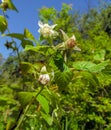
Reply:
x=78, y=96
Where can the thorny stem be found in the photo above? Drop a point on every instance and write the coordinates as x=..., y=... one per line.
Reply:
x=27, y=108
x=17, y=50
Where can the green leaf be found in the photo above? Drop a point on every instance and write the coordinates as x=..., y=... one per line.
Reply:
x=27, y=67
x=28, y=35
x=3, y=24
x=99, y=67
x=89, y=66
x=100, y=55
x=47, y=118
x=26, y=42
x=25, y=97
x=5, y=100
x=83, y=65
x=63, y=78
x=44, y=103
x=44, y=50
x=11, y=5
x=89, y=78
x=16, y=35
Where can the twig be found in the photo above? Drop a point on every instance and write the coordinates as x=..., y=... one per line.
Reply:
x=26, y=109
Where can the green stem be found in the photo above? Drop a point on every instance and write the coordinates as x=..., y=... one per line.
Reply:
x=26, y=109
x=65, y=56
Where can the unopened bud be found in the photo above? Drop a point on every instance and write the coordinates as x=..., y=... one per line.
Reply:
x=43, y=70
x=44, y=79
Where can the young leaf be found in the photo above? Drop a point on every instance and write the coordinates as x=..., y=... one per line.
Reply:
x=3, y=24
x=28, y=35
x=11, y=5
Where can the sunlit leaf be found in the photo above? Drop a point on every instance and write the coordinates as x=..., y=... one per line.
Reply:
x=11, y=5
x=47, y=118
x=28, y=35
x=16, y=35
x=44, y=103
x=100, y=55
x=90, y=66
x=26, y=42
x=3, y=24
x=44, y=50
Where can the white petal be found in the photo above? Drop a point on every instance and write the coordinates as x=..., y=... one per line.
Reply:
x=40, y=24
x=39, y=30
x=53, y=26
x=74, y=37
x=77, y=48
x=46, y=25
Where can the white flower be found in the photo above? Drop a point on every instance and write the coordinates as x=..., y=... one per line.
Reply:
x=47, y=30
x=3, y=1
x=44, y=79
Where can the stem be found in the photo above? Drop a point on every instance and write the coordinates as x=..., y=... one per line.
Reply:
x=65, y=56
x=17, y=51
x=27, y=108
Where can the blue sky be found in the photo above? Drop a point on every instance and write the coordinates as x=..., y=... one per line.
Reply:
x=28, y=15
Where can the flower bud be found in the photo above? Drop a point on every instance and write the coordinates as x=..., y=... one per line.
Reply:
x=44, y=79
x=43, y=70
x=70, y=43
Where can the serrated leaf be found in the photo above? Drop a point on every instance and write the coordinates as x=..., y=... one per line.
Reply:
x=99, y=67
x=3, y=24
x=83, y=65
x=44, y=103
x=47, y=118
x=63, y=78
x=28, y=35
x=89, y=66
